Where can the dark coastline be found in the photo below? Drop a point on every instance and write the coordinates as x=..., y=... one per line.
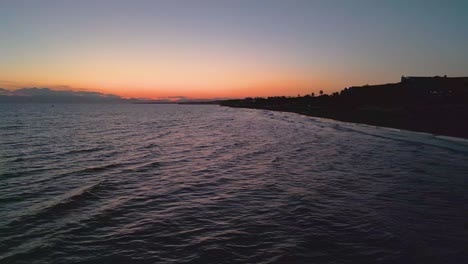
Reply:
x=436, y=105
x=410, y=122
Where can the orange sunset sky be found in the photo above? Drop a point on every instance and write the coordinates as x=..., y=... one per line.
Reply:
x=225, y=49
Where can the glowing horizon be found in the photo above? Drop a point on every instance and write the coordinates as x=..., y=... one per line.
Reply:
x=226, y=49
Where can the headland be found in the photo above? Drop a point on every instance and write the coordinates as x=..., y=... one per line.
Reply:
x=437, y=105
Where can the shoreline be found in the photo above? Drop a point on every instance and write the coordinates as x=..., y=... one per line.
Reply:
x=435, y=105
x=353, y=116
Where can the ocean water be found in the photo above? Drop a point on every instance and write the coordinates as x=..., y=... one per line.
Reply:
x=208, y=184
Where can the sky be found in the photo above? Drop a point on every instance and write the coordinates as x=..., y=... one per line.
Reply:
x=227, y=49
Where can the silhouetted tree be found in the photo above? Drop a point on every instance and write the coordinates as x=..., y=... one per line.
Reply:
x=321, y=92
x=312, y=94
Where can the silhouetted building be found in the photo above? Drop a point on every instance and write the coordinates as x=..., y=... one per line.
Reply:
x=434, y=80
x=447, y=86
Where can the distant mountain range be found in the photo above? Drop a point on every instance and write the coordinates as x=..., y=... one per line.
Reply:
x=47, y=95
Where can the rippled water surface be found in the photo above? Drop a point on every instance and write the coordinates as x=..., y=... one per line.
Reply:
x=207, y=184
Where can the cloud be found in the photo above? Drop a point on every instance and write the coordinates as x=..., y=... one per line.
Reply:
x=5, y=82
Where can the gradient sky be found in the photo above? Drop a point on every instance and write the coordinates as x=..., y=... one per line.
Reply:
x=205, y=49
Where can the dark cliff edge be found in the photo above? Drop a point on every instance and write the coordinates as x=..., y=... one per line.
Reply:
x=437, y=105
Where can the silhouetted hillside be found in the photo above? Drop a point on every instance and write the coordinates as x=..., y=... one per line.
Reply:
x=431, y=104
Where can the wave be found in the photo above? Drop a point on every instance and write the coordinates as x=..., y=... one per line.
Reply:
x=57, y=205
x=84, y=150
x=223, y=185
x=422, y=138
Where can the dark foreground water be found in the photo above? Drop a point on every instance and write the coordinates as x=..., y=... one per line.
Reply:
x=206, y=184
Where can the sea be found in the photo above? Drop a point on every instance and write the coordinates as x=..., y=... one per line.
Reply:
x=129, y=183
